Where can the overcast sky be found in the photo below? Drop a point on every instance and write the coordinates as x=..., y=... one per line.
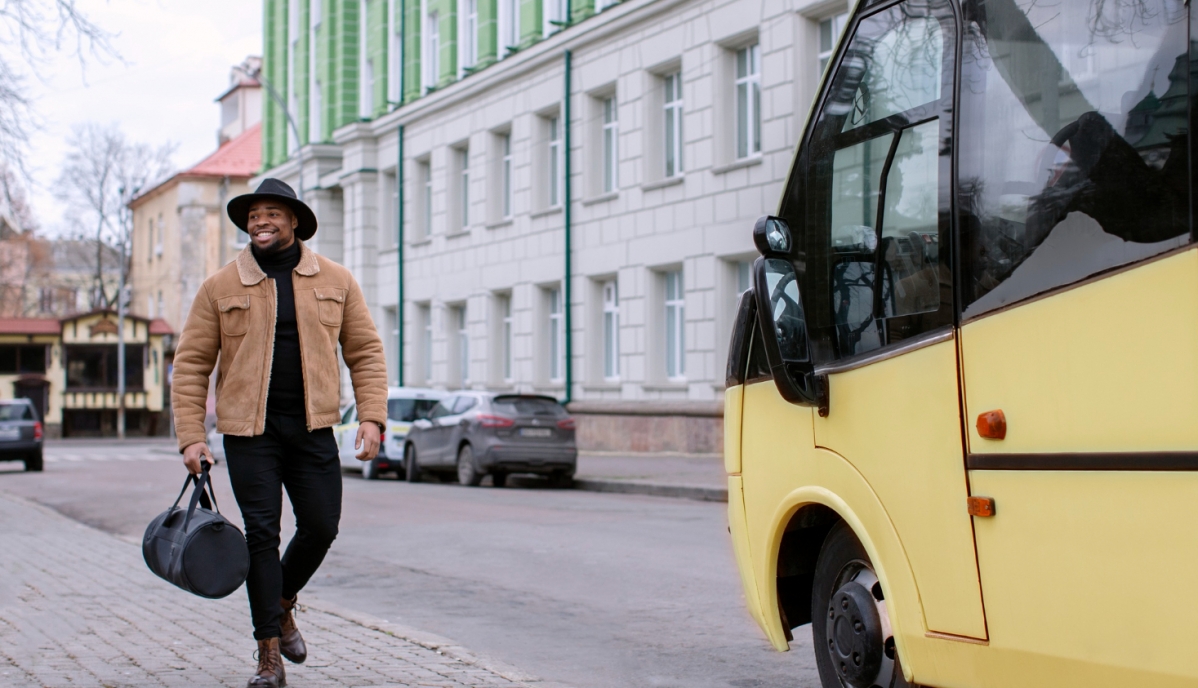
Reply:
x=176, y=59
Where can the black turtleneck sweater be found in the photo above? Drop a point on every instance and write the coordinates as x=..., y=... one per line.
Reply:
x=286, y=392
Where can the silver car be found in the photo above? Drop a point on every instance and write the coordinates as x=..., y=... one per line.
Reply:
x=404, y=405
x=474, y=434
x=20, y=433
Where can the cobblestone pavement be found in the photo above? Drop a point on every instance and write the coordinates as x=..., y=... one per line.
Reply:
x=78, y=607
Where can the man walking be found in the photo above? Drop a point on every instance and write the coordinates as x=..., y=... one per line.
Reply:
x=273, y=318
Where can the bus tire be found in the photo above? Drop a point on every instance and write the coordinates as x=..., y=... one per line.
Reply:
x=850, y=625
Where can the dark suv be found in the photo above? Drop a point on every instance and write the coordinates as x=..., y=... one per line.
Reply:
x=474, y=434
x=20, y=433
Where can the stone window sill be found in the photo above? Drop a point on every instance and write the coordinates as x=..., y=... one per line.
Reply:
x=548, y=211
x=739, y=164
x=662, y=183
x=602, y=198
x=671, y=386
x=499, y=223
x=420, y=242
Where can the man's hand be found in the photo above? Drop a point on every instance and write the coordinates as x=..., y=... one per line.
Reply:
x=193, y=454
x=367, y=441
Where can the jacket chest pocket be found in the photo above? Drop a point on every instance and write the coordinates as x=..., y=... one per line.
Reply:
x=330, y=305
x=234, y=315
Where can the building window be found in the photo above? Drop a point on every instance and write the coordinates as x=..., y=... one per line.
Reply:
x=151, y=313
x=391, y=329
x=365, y=64
x=748, y=101
x=509, y=27
x=158, y=243
x=432, y=51
x=426, y=176
x=462, y=156
x=161, y=311
x=556, y=165
x=557, y=335
x=601, y=5
x=744, y=276
x=829, y=31
x=611, y=331
x=391, y=204
x=506, y=173
x=394, y=53
x=505, y=336
x=675, y=323
x=463, y=344
x=468, y=38
x=424, y=313
x=150, y=240
x=293, y=38
x=557, y=15
x=611, y=137
x=315, y=95
x=673, y=123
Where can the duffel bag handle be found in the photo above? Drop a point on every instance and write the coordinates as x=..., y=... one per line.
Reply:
x=203, y=495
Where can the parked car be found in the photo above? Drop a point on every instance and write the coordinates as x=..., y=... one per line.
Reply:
x=216, y=442
x=20, y=433
x=404, y=405
x=479, y=433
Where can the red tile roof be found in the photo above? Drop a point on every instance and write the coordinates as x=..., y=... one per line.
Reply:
x=160, y=326
x=241, y=157
x=29, y=326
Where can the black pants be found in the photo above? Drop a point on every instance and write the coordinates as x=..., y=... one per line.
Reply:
x=306, y=463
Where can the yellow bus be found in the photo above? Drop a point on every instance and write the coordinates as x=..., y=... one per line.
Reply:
x=962, y=397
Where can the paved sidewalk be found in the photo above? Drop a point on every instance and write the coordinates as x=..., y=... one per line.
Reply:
x=78, y=607
x=691, y=476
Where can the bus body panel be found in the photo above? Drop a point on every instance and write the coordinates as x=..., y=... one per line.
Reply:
x=897, y=421
x=1090, y=566
x=1110, y=366
x=782, y=472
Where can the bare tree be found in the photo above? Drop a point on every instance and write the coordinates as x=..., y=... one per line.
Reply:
x=29, y=31
x=101, y=173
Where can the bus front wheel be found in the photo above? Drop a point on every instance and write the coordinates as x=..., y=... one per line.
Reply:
x=854, y=646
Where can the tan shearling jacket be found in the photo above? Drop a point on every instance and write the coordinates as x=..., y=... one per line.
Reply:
x=233, y=320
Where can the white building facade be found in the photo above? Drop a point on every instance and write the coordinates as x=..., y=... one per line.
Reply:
x=648, y=138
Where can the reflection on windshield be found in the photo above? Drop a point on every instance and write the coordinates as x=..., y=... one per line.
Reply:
x=1073, y=141
x=408, y=410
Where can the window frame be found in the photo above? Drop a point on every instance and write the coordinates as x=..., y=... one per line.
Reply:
x=610, y=290
x=556, y=318
x=507, y=190
x=674, y=314
x=672, y=139
x=610, y=141
x=467, y=37
x=811, y=247
x=751, y=124
x=556, y=162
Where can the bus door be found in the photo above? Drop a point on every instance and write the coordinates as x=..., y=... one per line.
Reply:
x=1079, y=342
x=870, y=199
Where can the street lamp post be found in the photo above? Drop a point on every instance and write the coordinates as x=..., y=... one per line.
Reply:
x=255, y=73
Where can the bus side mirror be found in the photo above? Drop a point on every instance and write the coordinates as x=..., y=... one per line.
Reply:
x=782, y=319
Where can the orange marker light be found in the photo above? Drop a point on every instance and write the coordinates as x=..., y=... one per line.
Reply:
x=981, y=506
x=992, y=425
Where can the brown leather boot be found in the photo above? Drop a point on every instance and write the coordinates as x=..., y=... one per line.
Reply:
x=291, y=643
x=270, y=666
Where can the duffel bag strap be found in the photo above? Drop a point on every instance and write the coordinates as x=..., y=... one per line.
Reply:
x=200, y=495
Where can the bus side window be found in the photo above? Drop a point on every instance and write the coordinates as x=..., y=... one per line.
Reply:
x=1074, y=143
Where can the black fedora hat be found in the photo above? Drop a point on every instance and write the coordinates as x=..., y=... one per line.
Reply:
x=273, y=189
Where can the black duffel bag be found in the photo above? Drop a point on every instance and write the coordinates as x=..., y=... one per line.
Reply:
x=198, y=549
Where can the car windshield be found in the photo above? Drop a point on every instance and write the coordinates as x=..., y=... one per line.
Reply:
x=15, y=412
x=528, y=406
x=408, y=410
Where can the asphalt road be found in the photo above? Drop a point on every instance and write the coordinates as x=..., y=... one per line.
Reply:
x=585, y=589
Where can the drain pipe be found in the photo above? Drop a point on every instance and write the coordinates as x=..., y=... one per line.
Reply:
x=566, y=218
x=399, y=305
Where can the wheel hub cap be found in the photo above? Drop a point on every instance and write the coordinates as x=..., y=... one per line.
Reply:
x=856, y=638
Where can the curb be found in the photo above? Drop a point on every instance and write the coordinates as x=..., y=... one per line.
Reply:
x=703, y=494
x=430, y=641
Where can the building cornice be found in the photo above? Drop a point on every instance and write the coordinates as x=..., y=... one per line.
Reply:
x=591, y=30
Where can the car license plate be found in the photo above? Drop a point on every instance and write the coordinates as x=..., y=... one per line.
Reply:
x=535, y=432
x=10, y=434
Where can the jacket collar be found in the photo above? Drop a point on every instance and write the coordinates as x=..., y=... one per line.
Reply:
x=250, y=272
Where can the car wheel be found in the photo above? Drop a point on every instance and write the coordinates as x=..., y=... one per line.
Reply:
x=33, y=462
x=467, y=473
x=498, y=479
x=850, y=628
x=411, y=469
x=561, y=479
x=369, y=470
